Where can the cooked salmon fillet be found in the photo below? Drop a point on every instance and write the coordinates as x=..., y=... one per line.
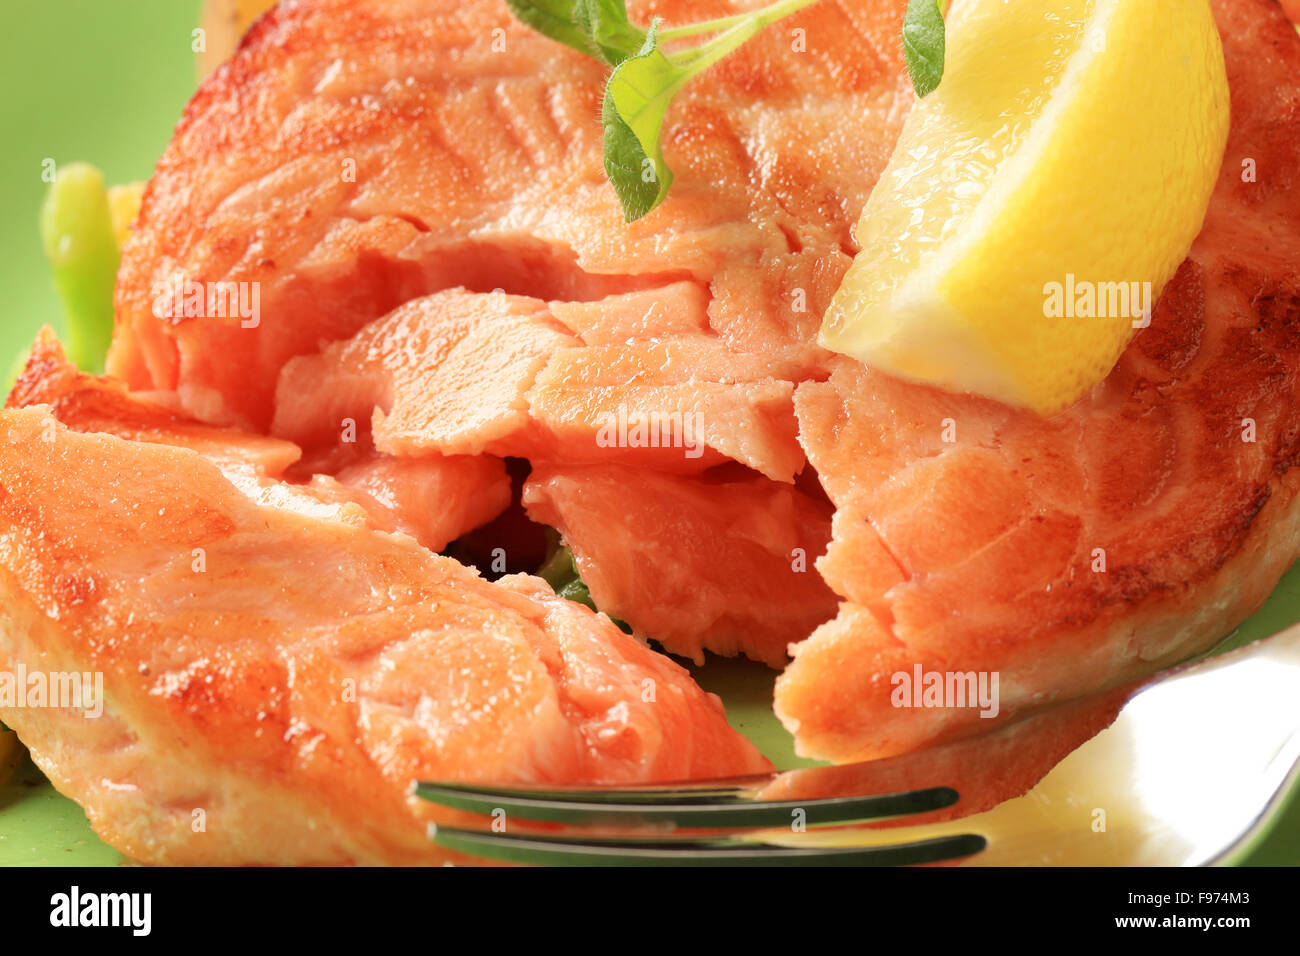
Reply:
x=385, y=150
x=1080, y=551
x=725, y=558
x=290, y=671
x=355, y=201
x=447, y=373
x=348, y=197
x=434, y=498
x=461, y=373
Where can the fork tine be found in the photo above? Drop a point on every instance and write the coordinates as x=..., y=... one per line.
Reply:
x=697, y=851
x=714, y=809
x=670, y=795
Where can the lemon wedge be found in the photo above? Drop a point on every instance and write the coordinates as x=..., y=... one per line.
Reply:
x=1039, y=199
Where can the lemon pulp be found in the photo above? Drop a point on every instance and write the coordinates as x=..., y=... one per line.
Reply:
x=1038, y=201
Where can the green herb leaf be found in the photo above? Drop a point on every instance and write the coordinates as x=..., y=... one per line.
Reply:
x=636, y=99
x=558, y=568
x=555, y=18
x=645, y=79
x=924, y=44
x=611, y=34
x=577, y=591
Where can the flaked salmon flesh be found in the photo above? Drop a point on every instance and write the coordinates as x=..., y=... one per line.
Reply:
x=395, y=282
x=289, y=668
x=447, y=281
x=1080, y=551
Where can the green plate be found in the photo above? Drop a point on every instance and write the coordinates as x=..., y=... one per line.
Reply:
x=105, y=82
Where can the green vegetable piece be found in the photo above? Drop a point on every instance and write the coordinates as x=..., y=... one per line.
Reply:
x=575, y=590
x=77, y=233
x=558, y=569
x=611, y=34
x=644, y=81
x=636, y=99
x=554, y=18
x=924, y=45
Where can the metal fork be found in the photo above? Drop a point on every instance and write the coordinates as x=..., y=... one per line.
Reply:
x=1192, y=772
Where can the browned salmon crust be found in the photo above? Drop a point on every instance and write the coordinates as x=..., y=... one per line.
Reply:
x=304, y=166
x=1081, y=551
x=355, y=155
x=276, y=671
